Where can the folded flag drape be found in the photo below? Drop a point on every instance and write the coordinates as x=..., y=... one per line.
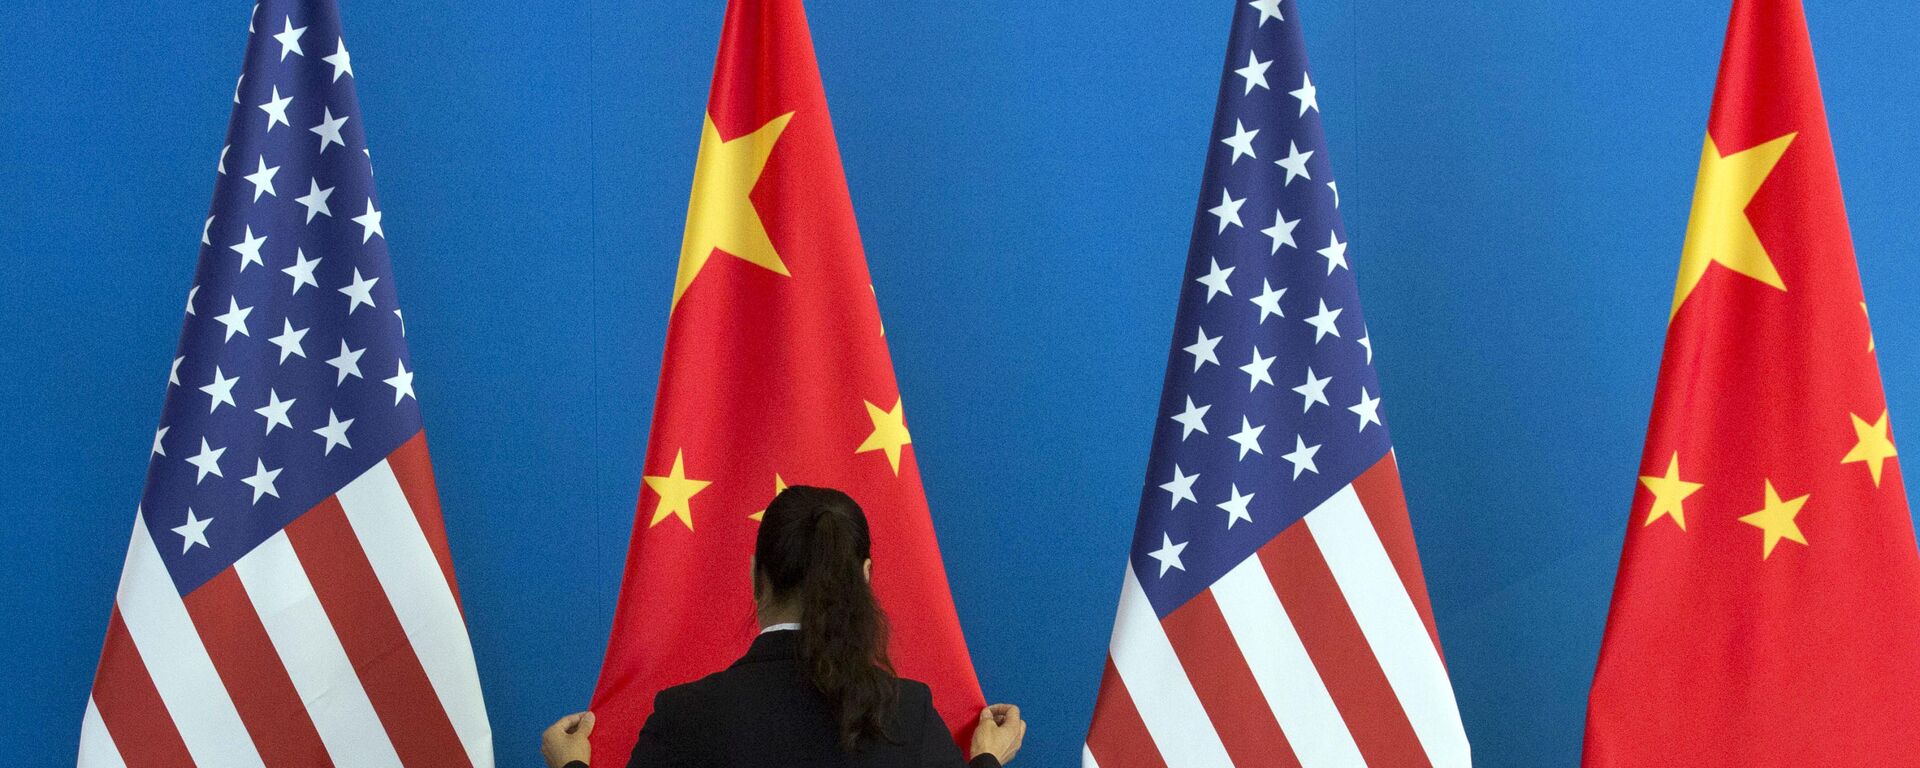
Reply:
x=1273, y=611
x=1767, y=609
x=776, y=372
x=288, y=597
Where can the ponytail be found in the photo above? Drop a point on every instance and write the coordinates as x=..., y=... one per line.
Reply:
x=811, y=550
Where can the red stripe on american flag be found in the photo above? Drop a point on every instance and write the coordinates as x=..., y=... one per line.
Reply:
x=1225, y=684
x=262, y=692
x=1119, y=738
x=413, y=467
x=371, y=635
x=1386, y=505
x=130, y=706
x=1339, y=650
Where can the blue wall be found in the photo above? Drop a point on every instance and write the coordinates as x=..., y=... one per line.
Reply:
x=1515, y=176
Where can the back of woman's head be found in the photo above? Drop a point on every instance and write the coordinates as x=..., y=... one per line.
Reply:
x=811, y=553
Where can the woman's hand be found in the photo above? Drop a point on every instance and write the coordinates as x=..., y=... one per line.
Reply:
x=566, y=740
x=999, y=733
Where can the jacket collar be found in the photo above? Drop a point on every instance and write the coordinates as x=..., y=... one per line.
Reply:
x=772, y=646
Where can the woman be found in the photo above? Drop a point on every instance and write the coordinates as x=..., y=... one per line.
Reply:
x=816, y=688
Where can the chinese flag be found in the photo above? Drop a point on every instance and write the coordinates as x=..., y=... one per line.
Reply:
x=1767, y=610
x=776, y=372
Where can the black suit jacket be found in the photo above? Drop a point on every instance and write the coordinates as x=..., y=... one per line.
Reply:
x=763, y=713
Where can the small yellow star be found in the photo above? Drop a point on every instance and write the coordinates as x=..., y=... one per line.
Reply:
x=720, y=212
x=1873, y=445
x=1668, y=493
x=1776, y=519
x=1718, y=229
x=676, y=492
x=1863, y=313
x=889, y=433
x=778, y=486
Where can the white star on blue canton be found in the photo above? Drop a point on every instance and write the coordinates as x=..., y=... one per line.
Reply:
x=1248, y=438
x=1268, y=301
x=1368, y=409
x=249, y=250
x=1255, y=72
x=336, y=433
x=1236, y=506
x=289, y=39
x=1259, y=370
x=1314, y=391
x=262, y=179
x=1296, y=163
x=302, y=270
x=1228, y=211
x=1191, y=420
x=1269, y=9
x=276, y=109
x=1202, y=349
x=1308, y=95
x=207, y=461
x=342, y=61
x=1302, y=457
x=1216, y=280
x=347, y=363
x=329, y=129
x=1168, y=554
x=221, y=390
x=1181, y=486
x=193, y=532
x=275, y=411
x=1241, y=141
x=235, y=318
x=315, y=200
x=359, y=292
x=1281, y=232
x=262, y=481
x=1335, y=252
x=1323, y=323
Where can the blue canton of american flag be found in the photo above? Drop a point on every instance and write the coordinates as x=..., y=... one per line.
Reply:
x=1274, y=612
x=288, y=597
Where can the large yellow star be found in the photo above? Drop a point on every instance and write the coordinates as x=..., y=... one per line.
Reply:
x=889, y=432
x=1718, y=229
x=676, y=492
x=1874, y=446
x=1668, y=493
x=779, y=485
x=720, y=213
x=1776, y=520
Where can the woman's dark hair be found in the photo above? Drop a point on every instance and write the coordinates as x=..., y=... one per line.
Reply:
x=810, y=552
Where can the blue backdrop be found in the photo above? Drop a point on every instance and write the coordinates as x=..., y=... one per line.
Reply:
x=1515, y=175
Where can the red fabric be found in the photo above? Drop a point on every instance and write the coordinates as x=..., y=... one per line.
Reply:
x=1715, y=655
x=769, y=374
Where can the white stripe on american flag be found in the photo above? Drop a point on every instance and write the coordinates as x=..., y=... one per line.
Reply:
x=1086, y=757
x=417, y=588
x=96, y=745
x=1392, y=625
x=1280, y=664
x=310, y=651
x=177, y=661
x=1161, y=691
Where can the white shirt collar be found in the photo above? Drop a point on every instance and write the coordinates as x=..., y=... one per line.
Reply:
x=780, y=627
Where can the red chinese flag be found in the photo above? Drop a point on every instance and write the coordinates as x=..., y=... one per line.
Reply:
x=1767, y=611
x=776, y=372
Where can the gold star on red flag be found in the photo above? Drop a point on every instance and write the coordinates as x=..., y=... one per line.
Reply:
x=1873, y=445
x=676, y=492
x=889, y=433
x=1777, y=520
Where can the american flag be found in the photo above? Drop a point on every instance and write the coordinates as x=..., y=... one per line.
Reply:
x=288, y=598
x=1273, y=613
